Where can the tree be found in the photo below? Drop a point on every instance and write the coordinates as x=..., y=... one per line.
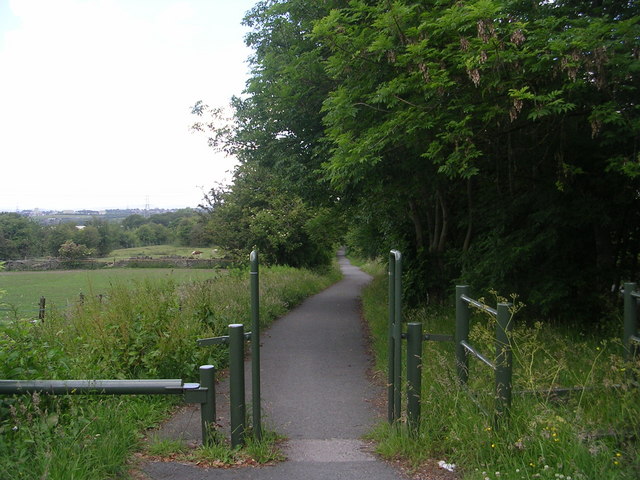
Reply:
x=260, y=212
x=278, y=197
x=505, y=132
x=70, y=250
x=19, y=237
x=493, y=141
x=57, y=235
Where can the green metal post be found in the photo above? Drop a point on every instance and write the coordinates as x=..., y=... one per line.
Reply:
x=397, y=335
x=414, y=374
x=630, y=320
x=391, y=414
x=255, y=345
x=236, y=383
x=504, y=363
x=208, y=409
x=462, y=333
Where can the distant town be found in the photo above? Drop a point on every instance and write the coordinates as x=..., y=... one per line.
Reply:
x=54, y=217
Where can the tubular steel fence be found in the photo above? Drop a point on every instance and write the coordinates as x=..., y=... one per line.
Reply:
x=203, y=392
x=501, y=364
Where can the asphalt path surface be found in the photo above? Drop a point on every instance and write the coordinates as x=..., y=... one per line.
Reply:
x=315, y=391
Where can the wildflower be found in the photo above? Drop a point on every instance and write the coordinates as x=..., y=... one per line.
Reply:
x=618, y=454
x=493, y=445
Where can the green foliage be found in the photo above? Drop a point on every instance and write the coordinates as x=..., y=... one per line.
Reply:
x=19, y=237
x=259, y=211
x=501, y=136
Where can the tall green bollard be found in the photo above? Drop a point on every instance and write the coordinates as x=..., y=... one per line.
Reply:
x=236, y=383
x=414, y=375
x=391, y=414
x=630, y=320
x=208, y=409
x=255, y=345
x=504, y=363
x=462, y=333
x=397, y=334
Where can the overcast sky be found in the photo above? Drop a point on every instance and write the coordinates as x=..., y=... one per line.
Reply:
x=95, y=100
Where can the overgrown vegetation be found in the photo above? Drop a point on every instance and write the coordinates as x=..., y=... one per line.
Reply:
x=494, y=141
x=592, y=433
x=145, y=330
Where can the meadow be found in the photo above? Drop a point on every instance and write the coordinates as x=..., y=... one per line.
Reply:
x=593, y=433
x=62, y=288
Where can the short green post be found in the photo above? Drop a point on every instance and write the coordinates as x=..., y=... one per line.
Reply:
x=255, y=345
x=397, y=335
x=462, y=333
x=414, y=375
x=504, y=363
x=391, y=414
x=208, y=409
x=630, y=320
x=236, y=384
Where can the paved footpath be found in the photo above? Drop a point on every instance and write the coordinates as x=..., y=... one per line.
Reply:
x=315, y=392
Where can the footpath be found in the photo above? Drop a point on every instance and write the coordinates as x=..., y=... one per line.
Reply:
x=315, y=392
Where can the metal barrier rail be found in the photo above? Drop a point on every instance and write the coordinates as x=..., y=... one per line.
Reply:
x=477, y=354
x=202, y=393
x=236, y=339
x=503, y=364
x=479, y=305
x=631, y=336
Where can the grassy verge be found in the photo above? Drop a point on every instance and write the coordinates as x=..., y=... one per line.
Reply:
x=592, y=434
x=142, y=329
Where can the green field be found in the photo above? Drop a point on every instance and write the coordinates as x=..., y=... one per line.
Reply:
x=24, y=289
x=158, y=251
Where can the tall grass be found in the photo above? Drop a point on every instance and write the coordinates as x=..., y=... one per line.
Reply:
x=147, y=329
x=591, y=434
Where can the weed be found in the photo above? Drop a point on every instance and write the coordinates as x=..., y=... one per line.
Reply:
x=586, y=433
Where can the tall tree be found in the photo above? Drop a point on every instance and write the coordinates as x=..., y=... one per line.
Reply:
x=509, y=129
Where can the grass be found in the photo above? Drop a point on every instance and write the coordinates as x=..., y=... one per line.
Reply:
x=62, y=288
x=591, y=434
x=156, y=251
x=142, y=329
x=220, y=454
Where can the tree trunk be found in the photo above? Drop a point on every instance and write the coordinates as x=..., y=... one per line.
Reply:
x=417, y=224
x=445, y=224
x=467, y=238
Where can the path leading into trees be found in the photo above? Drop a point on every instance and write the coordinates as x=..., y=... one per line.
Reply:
x=315, y=392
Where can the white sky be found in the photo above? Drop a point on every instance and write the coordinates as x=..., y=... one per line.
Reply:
x=95, y=100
